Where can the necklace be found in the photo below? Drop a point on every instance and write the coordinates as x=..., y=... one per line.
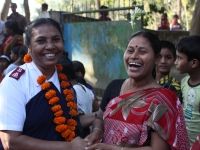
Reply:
x=65, y=126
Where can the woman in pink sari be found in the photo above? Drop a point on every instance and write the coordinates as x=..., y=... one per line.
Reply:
x=143, y=116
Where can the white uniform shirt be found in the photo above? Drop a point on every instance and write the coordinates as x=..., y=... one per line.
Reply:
x=16, y=93
x=85, y=98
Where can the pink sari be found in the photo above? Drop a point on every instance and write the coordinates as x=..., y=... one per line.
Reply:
x=130, y=118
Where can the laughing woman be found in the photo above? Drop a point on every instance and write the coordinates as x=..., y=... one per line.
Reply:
x=143, y=116
x=37, y=106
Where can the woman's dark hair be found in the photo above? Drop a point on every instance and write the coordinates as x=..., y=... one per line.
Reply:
x=16, y=50
x=169, y=45
x=190, y=46
x=152, y=38
x=78, y=67
x=12, y=25
x=44, y=6
x=39, y=22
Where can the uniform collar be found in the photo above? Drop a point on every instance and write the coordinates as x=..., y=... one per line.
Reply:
x=53, y=79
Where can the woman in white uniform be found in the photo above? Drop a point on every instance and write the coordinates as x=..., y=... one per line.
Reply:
x=38, y=110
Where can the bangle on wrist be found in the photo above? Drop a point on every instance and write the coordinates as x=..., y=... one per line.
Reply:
x=98, y=129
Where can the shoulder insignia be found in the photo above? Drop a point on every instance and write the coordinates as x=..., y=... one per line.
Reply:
x=17, y=73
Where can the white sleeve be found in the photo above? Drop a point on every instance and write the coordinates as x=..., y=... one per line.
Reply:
x=12, y=104
x=85, y=98
x=78, y=91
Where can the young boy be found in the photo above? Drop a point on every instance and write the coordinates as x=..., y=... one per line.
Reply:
x=164, y=64
x=188, y=61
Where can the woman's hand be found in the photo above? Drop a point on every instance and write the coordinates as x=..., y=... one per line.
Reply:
x=78, y=144
x=102, y=146
x=94, y=137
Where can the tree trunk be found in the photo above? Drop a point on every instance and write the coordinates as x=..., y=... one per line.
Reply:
x=195, y=28
x=179, y=8
x=98, y=4
x=27, y=11
x=5, y=9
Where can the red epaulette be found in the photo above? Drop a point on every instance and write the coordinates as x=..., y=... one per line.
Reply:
x=17, y=73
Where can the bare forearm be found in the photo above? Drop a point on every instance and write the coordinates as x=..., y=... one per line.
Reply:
x=134, y=148
x=22, y=142
x=87, y=120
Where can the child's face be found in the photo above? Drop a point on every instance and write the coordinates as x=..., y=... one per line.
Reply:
x=165, y=61
x=182, y=63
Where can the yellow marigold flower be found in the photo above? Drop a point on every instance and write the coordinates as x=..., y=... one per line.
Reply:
x=45, y=85
x=53, y=100
x=61, y=128
x=49, y=94
x=59, y=120
x=41, y=79
x=73, y=112
x=64, y=84
x=59, y=67
x=27, y=58
x=62, y=76
x=56, y=108
x=58, y=113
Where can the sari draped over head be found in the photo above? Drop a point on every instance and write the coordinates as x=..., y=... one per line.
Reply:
x=130, y=118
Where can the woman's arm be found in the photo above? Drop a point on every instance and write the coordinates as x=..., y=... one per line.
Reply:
x=157, y=143
x=97, y=126
x=16, y=141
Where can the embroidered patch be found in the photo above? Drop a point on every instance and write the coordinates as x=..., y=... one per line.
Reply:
x=17, y=73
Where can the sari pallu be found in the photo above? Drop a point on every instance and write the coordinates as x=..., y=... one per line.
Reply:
x=130, y=118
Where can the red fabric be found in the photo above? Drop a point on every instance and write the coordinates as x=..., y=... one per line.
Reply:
x=196, y=144
x=134, y=130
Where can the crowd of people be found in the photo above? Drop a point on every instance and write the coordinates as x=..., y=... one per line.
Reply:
x=174, y=25
x=46, y=103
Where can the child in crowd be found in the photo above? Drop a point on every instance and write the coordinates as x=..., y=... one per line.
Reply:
x=17, y=55
x=164, y=23
x=164, y=65
x=175, y=25
x=4, y=62
x=188, y=61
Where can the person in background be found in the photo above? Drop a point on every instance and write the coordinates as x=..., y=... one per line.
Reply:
x=2, y=31
x=17, y=55
x=164, y=64
x=175, y=25
x=17, y=17
x=188, y=61
x=79, y=70
x=164, y=23
x=144, y=115
x=41, y=113
x=44, y=11
x=104, y=14
x=12, y=37
x=4, y=63
x=84, y=95
x=83, y=89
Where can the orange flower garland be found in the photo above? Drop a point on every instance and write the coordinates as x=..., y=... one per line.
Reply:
x=27, y=58
x=65, y=126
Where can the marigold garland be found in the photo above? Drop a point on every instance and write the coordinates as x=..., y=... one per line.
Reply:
x=65, y=126
x=27, y=58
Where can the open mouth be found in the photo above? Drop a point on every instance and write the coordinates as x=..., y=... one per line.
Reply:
x=135, y=65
